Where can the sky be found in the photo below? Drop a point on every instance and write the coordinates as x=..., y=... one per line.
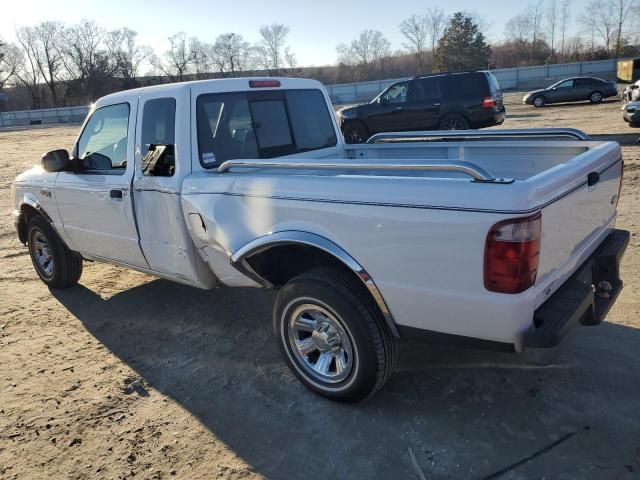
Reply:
x=316, y=27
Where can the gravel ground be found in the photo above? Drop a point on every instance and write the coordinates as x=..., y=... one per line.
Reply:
x=128, y=376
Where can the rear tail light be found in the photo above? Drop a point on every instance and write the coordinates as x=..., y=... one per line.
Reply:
x=488, y=102
x=264, y=83
x=620, y=185
x=511, y=255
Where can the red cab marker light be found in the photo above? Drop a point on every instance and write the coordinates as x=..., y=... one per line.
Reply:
x=264, y=83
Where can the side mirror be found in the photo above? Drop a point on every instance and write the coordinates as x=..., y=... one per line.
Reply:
x=55, y=160
x=384, y=101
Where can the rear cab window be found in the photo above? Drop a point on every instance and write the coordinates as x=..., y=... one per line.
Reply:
x=262, y=124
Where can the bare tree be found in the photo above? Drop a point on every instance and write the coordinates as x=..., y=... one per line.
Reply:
x=231, y=53
x=367, y=51
x=535, y=11
x=273, y=41
x=290, y=59
x=565, y=15
x=126, y=53
x=436, y=21
x=177, y=59
x=599, y=16
x=11, y=58
x=41, y=45
x=621, y=9
x=86, y=59
x=519, y=28
x=552, y=24
x=415, y=31
x=28, y=72
x=202, y=56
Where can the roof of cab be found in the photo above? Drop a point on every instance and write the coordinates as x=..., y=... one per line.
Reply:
x=208, y=86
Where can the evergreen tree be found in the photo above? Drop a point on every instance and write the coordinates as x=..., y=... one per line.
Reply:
x=462, y=46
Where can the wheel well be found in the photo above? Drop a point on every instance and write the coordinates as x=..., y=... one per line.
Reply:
x=281, y=263
x=28, y=212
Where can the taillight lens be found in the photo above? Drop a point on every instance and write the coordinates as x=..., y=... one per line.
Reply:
x=512, y=253
x=620, y=185
x=488, y=102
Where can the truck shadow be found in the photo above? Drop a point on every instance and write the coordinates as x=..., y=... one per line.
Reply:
x=447, y=412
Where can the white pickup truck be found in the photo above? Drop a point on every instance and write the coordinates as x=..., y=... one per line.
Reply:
x=504, y=237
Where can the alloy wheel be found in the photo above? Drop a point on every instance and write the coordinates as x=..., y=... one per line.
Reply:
x=320, y=343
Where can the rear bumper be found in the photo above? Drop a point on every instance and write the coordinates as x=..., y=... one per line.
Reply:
x=585, y=298
x=495, y=117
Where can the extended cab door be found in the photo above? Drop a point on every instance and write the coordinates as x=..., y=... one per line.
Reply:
x=163, y=160
x=94, y=196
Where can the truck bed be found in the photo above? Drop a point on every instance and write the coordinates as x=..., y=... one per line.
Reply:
x=421, y=234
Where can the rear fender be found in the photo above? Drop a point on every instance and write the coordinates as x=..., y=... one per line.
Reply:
x=239, y=260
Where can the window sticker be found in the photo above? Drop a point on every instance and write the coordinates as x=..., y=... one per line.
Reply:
x=208, y=158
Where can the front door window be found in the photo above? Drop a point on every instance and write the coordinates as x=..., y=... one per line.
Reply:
x=102, y=146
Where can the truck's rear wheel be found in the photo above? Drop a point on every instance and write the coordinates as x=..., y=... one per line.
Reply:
x=332, y=336
x=55, y=264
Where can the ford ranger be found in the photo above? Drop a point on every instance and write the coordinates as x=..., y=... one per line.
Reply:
x=506, y=238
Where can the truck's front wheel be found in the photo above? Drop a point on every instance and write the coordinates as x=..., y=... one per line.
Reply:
x=56, y=265
x=332, y=336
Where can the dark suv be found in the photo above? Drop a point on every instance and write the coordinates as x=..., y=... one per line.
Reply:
x=445, y=101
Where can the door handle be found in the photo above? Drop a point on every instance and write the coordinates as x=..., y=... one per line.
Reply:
x=115, y=193
x=436, y=104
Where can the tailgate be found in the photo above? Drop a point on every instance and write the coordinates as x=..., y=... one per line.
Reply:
x=578, y=220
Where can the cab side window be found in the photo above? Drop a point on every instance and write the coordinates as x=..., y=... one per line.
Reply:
x=397, y=93
x=158, y=137
x=567, y=84
x=102, y=147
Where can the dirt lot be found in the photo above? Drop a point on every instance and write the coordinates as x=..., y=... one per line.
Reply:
x=128, y=376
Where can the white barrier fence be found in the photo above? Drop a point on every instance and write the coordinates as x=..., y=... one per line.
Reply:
x=43, y=117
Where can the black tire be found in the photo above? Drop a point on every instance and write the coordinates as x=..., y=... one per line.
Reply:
x=539, y=101
x=65, y=268
x=596, y=97
x=355, y=132
x=453, y=122
x=343, y=298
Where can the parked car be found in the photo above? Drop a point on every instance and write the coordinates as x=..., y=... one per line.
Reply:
x=572, y=90
x=247, y=183
x=447, y=101
x=631, y=113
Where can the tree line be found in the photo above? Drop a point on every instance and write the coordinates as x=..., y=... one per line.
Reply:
x=54, y=64
x=67, y=65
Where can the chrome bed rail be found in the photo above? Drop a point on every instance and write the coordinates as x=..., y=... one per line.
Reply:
x=476, y=172
x=500, y=134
